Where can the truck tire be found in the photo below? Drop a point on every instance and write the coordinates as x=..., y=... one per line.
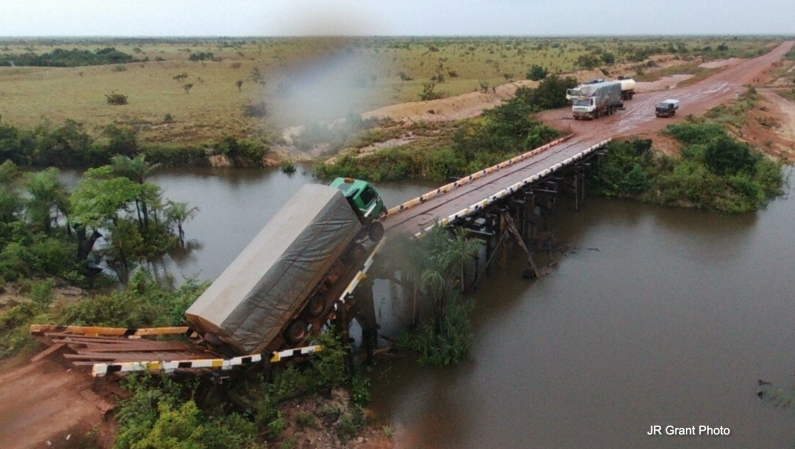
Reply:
x=315, y=306
x=376, y=231
x=358, y=254
x=296, y=332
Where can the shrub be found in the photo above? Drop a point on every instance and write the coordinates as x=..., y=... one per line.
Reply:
x=304, y=419
x=428, y=92
x=201, y=56
x=116, y=99
x=714, y=172
x=288, y=167
x=537, y=73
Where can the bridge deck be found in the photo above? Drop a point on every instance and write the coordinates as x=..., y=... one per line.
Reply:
x=419, y=217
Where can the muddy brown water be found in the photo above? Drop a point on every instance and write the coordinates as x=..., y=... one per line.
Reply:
x=657, y=316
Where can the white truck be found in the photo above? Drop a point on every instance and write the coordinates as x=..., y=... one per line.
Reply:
x=577, y=91
x=597, y=100
x=627, y=87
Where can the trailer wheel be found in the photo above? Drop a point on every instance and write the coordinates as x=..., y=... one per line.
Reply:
x=315, y=306
x=358, y=254
x=296, y=332
x=376, y=231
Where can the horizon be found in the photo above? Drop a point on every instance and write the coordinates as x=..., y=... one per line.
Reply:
x=349, y=18
x=399, y=36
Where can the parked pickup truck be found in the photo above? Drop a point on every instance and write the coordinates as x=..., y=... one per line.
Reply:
x=667, y=108
x=283, y=286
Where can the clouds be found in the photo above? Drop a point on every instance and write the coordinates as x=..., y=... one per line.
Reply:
x=395, y=17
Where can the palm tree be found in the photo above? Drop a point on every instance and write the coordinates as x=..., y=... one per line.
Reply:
x=179, y=213
x=48, y=197
x=137, y=170
x=446, y=256
x=10, y=200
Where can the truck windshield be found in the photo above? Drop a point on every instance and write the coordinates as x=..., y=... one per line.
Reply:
x=585, y=102
x=368, y=195
x=663, y=106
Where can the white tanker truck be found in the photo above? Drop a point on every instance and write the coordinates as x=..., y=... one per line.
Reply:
x=627, y=88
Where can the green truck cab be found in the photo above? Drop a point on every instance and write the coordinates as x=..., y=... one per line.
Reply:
x=366, y=202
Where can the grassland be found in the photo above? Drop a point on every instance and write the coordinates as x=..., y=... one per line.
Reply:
x=301, y=80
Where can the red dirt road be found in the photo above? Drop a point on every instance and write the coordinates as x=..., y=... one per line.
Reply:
x=638, y=116
x=42, y=401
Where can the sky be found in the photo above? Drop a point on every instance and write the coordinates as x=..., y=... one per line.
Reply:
x=393, y=17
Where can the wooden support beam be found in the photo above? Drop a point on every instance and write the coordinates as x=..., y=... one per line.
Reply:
x=512, y=229
x=489, y=258
x=366, y=317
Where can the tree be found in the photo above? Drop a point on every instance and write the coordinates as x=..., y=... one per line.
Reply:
x=239, y=84
x=137, y=170
x=123, y=141
x=445, y=257
x=187, y=87
x=178, y=213
x=48, y=197
x=10, y=200
x=537, y=73
x=608, y=58
x=587, y=62
x=96, y=204
x=726, y=156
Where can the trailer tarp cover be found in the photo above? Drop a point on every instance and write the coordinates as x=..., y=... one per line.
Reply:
x=261, y=290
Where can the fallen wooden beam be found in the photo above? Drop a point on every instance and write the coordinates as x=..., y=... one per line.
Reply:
x=46, y=352
x=37, y=329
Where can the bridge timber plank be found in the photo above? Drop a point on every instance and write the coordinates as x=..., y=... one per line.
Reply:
x=421, y=216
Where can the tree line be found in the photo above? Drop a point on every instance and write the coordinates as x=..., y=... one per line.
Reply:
x=67, y=58
x=69, y=145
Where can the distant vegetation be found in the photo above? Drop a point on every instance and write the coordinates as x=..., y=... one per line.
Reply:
x=67, y=58
x=69, y=145
x=385, y=71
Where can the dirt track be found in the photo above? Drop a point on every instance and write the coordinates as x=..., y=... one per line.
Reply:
x=696, y=99
x=44, y=400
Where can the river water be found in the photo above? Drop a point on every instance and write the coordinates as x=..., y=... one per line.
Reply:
x=657, y=316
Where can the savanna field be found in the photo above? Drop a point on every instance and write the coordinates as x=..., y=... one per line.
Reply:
x=189, y=91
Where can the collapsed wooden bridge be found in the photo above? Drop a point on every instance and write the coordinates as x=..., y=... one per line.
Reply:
x=504, y=202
